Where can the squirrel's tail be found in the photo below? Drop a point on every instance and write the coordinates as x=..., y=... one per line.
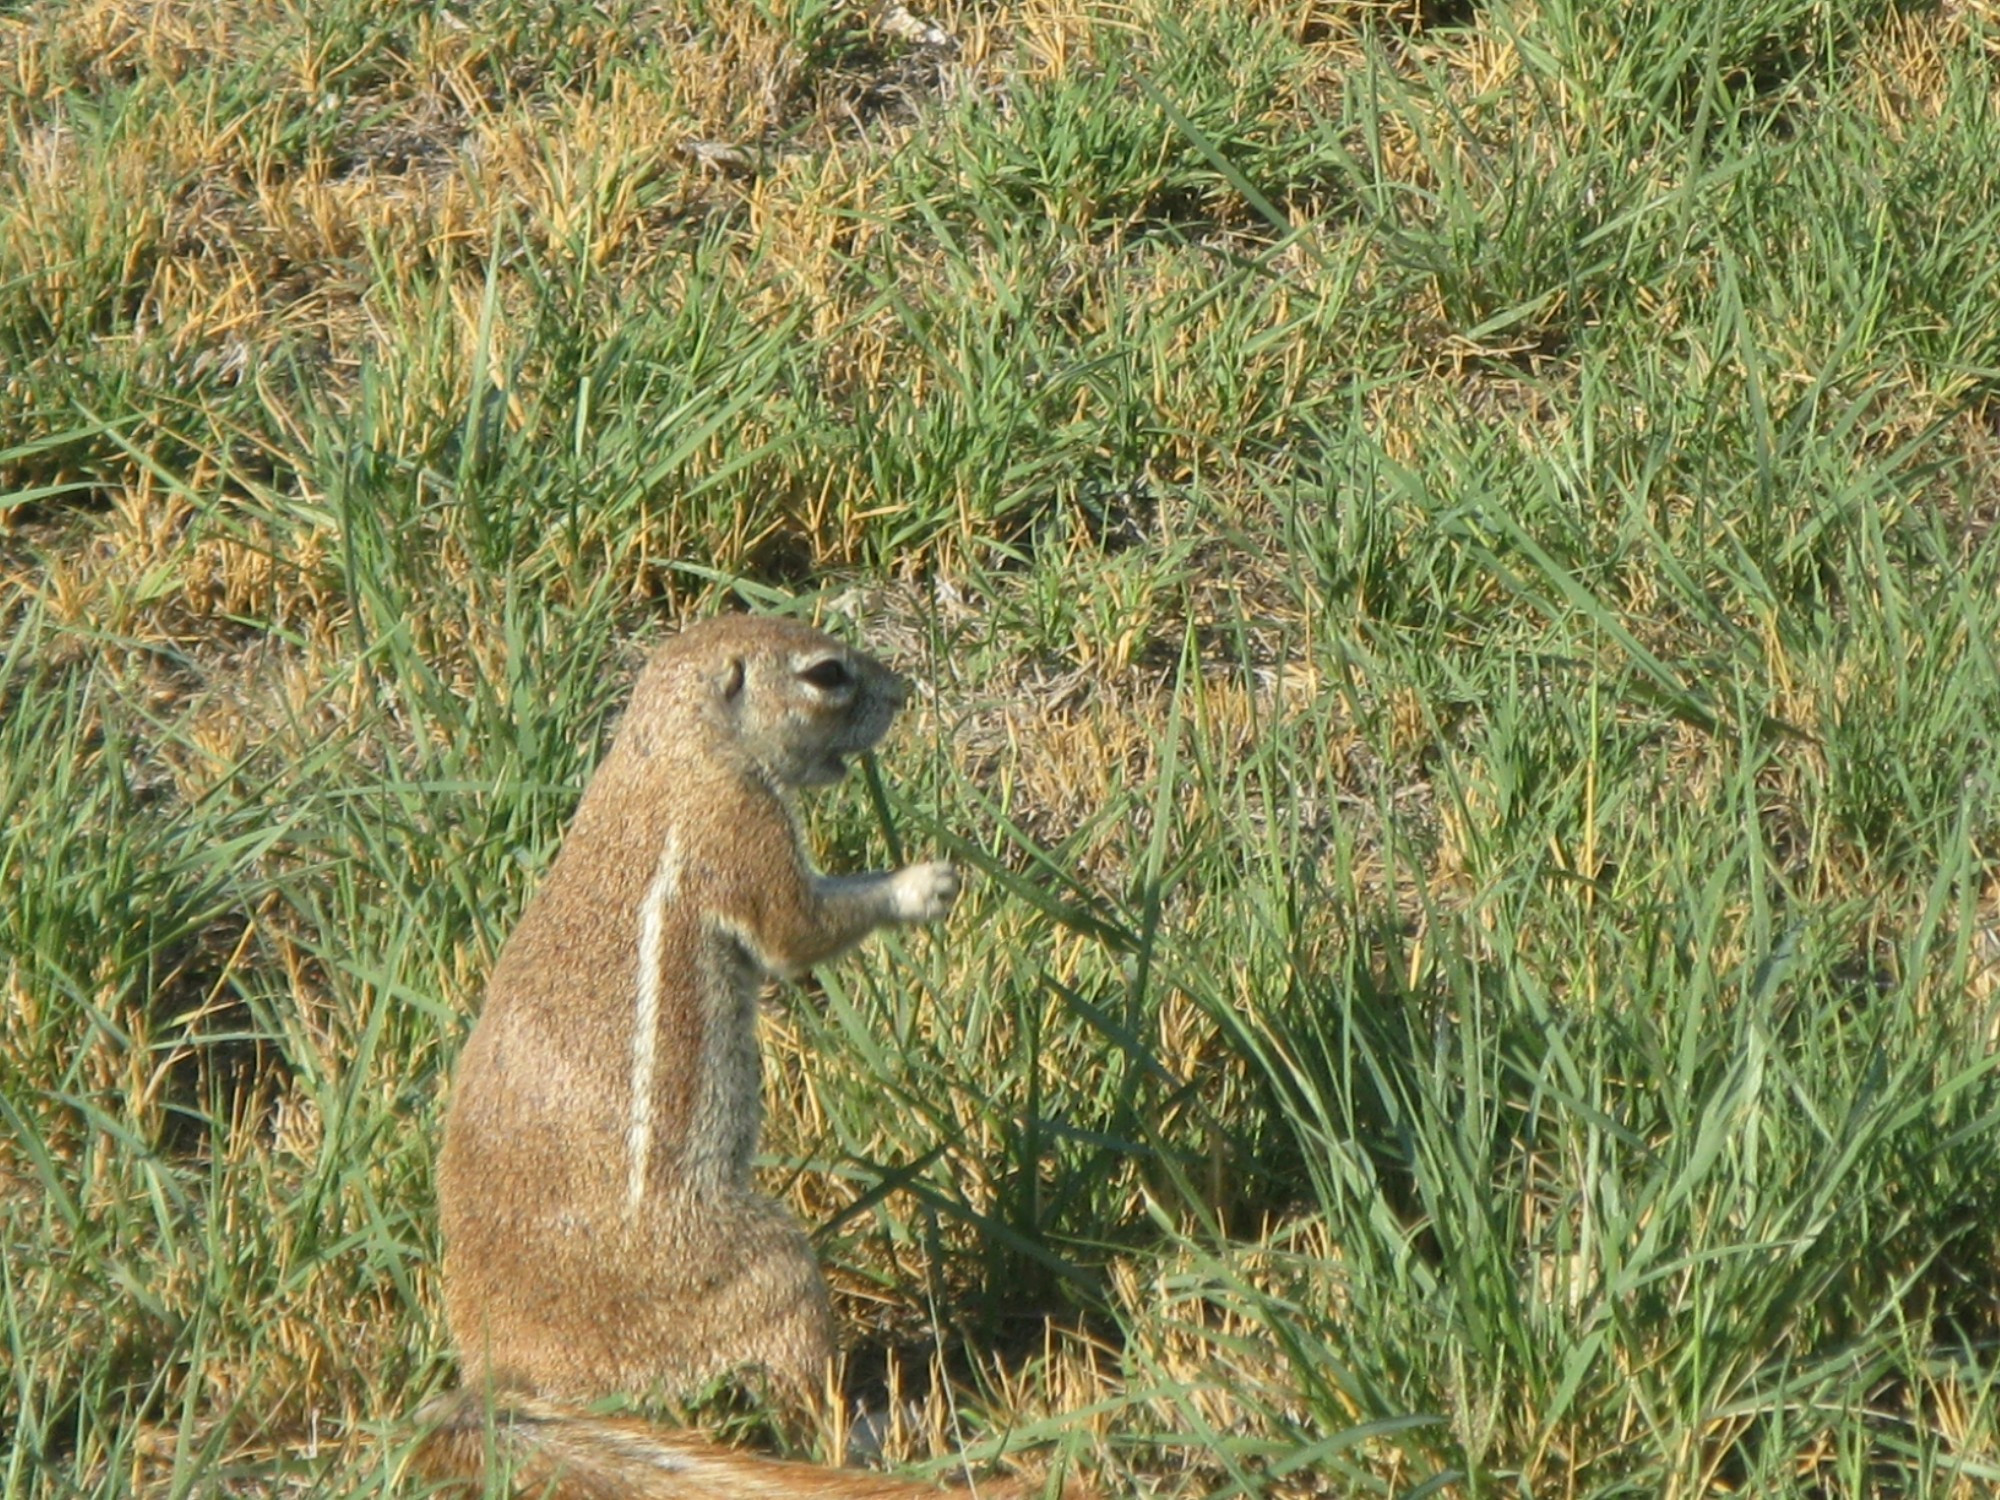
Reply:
x=555, y=1453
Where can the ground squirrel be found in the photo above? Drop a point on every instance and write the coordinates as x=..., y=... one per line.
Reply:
x=601, y=1232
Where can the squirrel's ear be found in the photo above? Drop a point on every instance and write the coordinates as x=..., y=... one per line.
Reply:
x=731, y=680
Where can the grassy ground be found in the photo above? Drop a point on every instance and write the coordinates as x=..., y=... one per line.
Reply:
x=1451, y=552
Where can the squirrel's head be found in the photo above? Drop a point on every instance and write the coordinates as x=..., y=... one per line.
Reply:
x=776, y=696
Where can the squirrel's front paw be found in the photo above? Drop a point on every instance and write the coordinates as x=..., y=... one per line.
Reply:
x=924, y=893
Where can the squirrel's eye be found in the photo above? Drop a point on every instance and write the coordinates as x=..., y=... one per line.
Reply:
x=828, y=673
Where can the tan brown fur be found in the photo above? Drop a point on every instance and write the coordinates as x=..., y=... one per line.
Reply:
x=602, y=1233
x=555, y=1453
